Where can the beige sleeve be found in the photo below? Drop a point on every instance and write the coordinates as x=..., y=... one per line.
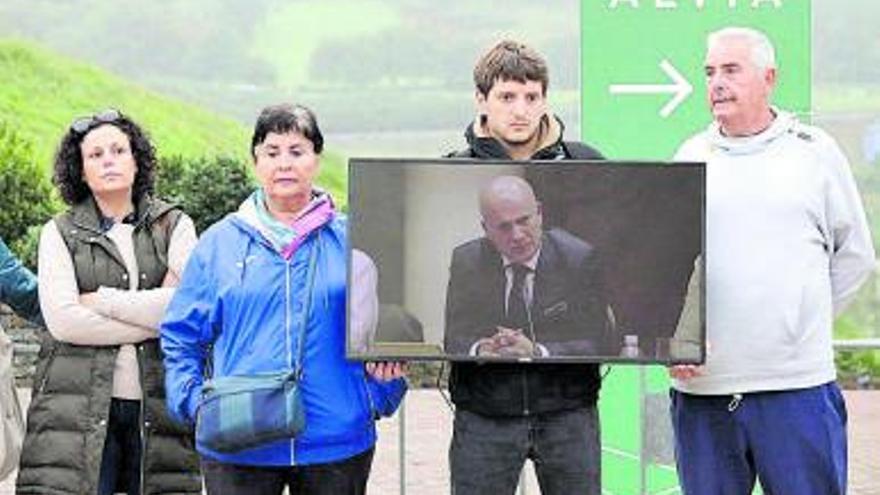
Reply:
x=183, y=240
x=66, y=318
x=364, y=309
x=686, y=342
x=146, y=308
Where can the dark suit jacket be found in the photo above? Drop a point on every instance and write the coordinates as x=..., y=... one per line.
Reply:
x=569, y=309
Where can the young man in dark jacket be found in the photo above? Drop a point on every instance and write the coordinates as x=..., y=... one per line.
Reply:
x=506, y=413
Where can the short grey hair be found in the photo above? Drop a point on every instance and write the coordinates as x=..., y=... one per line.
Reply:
x=760, y=46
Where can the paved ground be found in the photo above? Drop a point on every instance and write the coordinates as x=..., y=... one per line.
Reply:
x=428, y=423
x=428, y=427
x=864, y=438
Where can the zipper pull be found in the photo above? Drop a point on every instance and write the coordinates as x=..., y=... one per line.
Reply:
x=734, y=402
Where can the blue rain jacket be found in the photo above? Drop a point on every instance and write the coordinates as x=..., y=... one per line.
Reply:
x=240, y=307
x=18, y=286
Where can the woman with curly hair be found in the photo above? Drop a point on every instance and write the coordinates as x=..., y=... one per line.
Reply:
x=108, y=266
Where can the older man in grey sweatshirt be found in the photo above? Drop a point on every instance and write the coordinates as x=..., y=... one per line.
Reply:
x=787, y=247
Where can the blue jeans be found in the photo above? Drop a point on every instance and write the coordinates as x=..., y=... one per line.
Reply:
x=345, y=477
x=793, y=442
x=488, y=453
x=121, y=459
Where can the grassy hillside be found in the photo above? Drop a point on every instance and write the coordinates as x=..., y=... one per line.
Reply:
x=42, y=92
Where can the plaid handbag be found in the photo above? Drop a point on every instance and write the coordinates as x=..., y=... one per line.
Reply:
x=240, y=412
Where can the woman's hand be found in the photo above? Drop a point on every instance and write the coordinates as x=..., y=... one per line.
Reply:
x=386, y=370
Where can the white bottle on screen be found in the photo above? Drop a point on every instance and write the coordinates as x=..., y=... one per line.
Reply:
x=630, y=347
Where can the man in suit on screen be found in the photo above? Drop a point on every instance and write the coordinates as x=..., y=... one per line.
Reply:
x=521, y=292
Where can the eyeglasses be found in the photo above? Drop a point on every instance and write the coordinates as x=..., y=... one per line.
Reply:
x=83, y=124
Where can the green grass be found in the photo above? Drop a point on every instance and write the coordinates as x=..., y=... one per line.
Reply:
x=42, y=92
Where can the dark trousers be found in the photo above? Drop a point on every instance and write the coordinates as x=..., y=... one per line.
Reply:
x=793, y=442
x=488, y=453
x=346, y=477
x=121, y=459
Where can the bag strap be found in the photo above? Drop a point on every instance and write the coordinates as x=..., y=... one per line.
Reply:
x=310, y=286
x=208, y=371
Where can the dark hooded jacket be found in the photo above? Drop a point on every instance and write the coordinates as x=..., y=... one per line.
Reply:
x=502, y=389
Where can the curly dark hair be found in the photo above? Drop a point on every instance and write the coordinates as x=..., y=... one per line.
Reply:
x=68, y=167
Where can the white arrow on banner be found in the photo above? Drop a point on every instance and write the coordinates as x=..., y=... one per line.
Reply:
x=680, y=87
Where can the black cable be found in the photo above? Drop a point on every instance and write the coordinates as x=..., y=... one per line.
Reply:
x=605, y=373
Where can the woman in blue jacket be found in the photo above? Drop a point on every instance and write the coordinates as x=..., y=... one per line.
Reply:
x=18, y=289
x=18, y=286
x=260, y=282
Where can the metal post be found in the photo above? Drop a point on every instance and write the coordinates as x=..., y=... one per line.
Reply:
x=856, y=344
x=401, y=444
x=643, y=420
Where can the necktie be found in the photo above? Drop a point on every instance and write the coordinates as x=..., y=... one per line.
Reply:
x=517, y=314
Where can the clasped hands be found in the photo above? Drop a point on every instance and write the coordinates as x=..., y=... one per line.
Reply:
x=386, y=370
x=507, y=342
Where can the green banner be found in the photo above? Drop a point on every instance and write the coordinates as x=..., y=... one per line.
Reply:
x=643, y=88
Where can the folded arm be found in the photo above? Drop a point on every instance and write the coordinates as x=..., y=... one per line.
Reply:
x=145, y=308
x=67, y=318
